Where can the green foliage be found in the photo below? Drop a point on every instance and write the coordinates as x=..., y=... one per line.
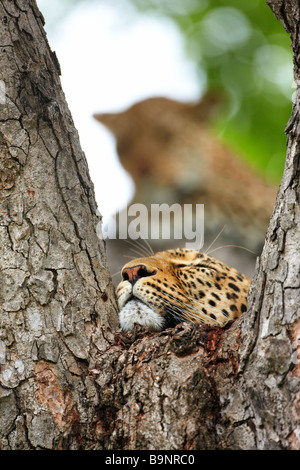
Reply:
x=240, y=48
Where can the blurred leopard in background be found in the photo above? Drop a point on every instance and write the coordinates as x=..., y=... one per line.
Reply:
x=173, y=156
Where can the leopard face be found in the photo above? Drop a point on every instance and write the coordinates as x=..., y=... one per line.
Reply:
x=179, y=285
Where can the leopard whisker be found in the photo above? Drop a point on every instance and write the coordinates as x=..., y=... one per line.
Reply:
x=140, y=252
x=115, y=274
x=137, y=253
x=233, y=246
x=180, y=302
x=190, y=313
x=195, y=314
x=176, y=315
x=143, y=248
x=178, y=307
x=215, y=239
x=130, y=257
x=151, y=252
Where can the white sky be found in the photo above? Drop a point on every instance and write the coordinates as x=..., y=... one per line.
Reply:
x=110, y=60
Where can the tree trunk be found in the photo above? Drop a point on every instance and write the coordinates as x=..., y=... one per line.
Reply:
x=69, y=378
x=56, y=297
x=270, y=356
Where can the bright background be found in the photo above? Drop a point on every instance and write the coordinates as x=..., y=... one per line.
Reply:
x=114, y=53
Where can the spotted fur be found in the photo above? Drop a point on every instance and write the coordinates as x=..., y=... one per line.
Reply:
x=179, y=285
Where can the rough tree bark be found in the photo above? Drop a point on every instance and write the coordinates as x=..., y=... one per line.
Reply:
x=56, y=297
x=270, y=357
x=69, y=378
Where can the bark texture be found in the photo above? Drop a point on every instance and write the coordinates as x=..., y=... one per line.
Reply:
x=271, y=331
x=56, y=297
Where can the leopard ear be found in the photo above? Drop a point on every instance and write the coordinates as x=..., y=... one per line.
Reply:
x=112, y=121
x=210, y=105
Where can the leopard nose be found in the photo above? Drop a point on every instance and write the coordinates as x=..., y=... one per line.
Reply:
x=135, y=273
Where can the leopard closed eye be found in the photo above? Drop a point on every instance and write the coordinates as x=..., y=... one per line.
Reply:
x=179, y=285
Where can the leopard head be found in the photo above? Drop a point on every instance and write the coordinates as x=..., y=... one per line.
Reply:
x=179, y=285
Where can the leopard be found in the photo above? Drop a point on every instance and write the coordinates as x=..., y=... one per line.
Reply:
x=180, y=285
x=173, y=155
